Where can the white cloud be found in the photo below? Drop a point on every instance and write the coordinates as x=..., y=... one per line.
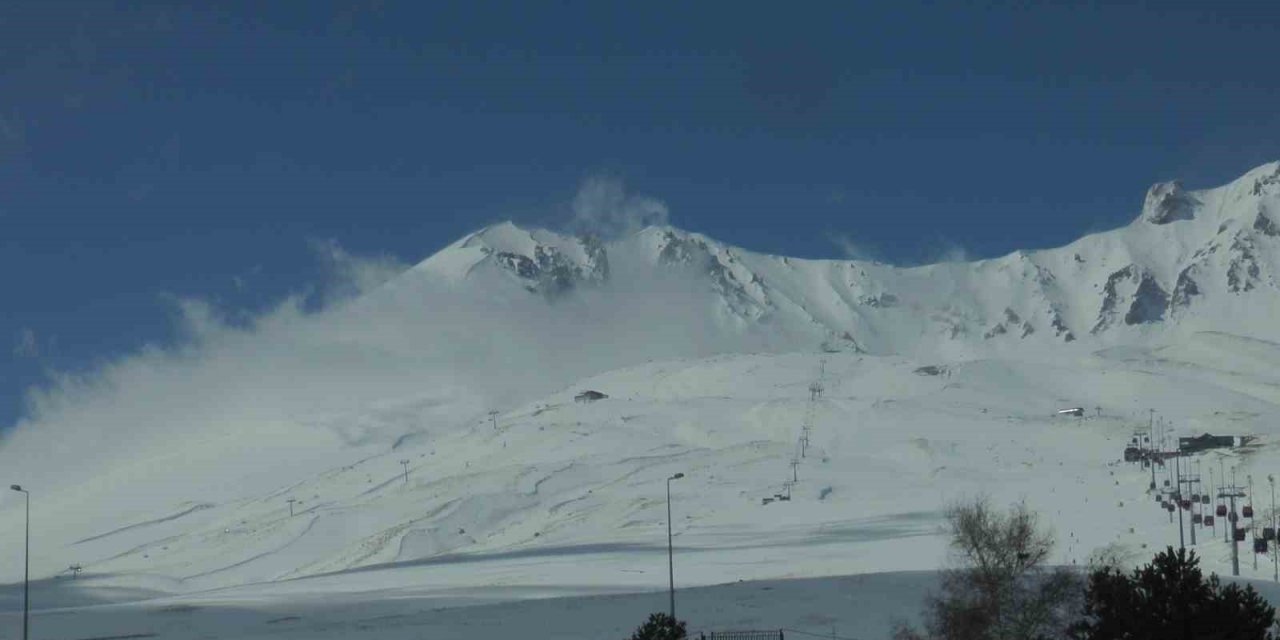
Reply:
x=603, y=206
x=849, y=248
x=27, y=345
x=410, y=356
x=351, y=275
x=951, y=251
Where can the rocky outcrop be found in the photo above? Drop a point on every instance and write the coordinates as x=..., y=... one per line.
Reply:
x=1265, y=225
x=1243, y=272
x=1185, y=290
x=551, y=273
x=1266, y=180
x=1149, y=302
x=1012, y=321
x=1136, y=292
x=676, y=249
x=1166, y=202
x=1060, y=328
x=884, y=300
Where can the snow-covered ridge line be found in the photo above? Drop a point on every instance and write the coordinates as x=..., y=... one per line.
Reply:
x=1198, y=260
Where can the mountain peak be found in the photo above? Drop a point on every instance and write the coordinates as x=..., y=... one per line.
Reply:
x=1167, y=202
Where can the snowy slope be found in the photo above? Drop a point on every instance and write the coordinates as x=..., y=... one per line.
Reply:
x=938, y=382
x=1189, y=260
x=565, y=493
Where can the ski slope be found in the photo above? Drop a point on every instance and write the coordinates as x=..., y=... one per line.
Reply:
x=371, y=421
x=581, y=507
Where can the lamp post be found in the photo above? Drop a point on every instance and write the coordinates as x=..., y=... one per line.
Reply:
x=671, y=566
x=26, y=564
x=1275, y=550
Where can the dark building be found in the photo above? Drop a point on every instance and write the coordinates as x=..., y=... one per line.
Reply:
x=589, y=396
x=1205, y=442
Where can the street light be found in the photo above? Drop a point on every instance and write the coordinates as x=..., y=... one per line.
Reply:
x=671, y=567
x=1275, y=549
x=26, y=564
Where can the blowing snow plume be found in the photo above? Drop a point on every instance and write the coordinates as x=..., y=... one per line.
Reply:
x=316, y=389
x=603, y=207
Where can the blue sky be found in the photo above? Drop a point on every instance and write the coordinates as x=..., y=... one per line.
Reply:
x=155, y=153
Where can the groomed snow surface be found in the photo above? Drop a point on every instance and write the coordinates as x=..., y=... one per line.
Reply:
x=540, y=527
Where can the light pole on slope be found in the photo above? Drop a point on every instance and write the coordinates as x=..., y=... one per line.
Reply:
x=671, y=567
x=26, y=564
x=1275, y=550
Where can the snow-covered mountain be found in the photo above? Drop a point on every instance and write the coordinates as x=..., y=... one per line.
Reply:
x=425, y=438
x=1192, y=260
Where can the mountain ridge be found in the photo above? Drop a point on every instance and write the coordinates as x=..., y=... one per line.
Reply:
x=1179, y=262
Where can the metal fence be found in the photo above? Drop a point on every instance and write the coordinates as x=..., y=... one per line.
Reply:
x=744, y=635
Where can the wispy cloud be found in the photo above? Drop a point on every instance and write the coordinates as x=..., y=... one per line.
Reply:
x=851, y=249
x=604, y=207
x=351, y=275
x=27, y=345
x=374, y=362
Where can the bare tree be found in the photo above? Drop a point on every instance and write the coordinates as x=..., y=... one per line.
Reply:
x=999, y=587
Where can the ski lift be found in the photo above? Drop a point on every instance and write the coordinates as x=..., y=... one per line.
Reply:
x=1169, y=506
x=1195, y=518
x=1221, y=510
x=1239, y=534
x=1268, y=533
x=1233, y=517
x=1204, y=499
x=1186, y=505
x=1248, y=511
x=1164, y=505
x=1195, y=497
x=1208, y=521
x=1166, y=483
x=1259, y=545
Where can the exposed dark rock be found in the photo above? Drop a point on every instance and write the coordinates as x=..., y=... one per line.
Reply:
x=550, y=273
x=1166, y=202
x=1147, y=304
x=1059, y=327
x=884, y=300
x=522, y=266
x=1185, y=290
x=1267, y=184
x=1243, y=272
x=597, y=257
x=692, y=251
x=1265, y=225
x=1111, y=297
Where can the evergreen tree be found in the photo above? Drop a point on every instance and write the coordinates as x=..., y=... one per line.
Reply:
x=660, y=626
x=1169, y=599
